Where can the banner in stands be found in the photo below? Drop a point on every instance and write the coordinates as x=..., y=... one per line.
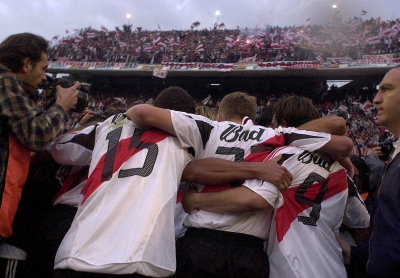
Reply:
x=383, y=59
x=191, y=66
x=377, y=59
x=340, y=60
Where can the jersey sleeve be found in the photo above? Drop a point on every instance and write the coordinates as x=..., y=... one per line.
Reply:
x=75, y=148
x=306, y=140
x=356, y=214
x=266, y=190
x=193, y=131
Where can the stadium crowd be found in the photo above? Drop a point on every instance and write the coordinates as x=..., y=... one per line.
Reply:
x=94, y=192
x=361, y=115
x=337, y=39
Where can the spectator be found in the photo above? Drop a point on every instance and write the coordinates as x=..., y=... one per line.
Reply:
x=384, y=246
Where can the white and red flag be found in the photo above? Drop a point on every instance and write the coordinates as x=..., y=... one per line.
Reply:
x=104, y=29
x=229, y=41
x=170, y=41
x=354, y=23
x=149, y=49
x=385, y=32
x=374, y=39
x=367, y=107
x=78, y=38
x=260, y=34
x=199, y=48
x=157, y=40
x=276, y=45
x=90, y=35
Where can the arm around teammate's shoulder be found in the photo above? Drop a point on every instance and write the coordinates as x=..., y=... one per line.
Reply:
x=339, y=146
x=329, y=124
x=235, y=200
x=148, y=115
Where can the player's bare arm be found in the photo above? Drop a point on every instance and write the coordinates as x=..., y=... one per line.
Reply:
x=148, y=115
x=220, y=171
x=339, y=147
x=329, y=124
x=236, y=200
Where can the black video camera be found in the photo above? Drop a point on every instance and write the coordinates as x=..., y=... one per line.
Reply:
x=49, y=89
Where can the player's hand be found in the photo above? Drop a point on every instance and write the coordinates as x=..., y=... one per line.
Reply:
x=189, y=200
x=346, y=163
x=346, y=249
x=276, y=174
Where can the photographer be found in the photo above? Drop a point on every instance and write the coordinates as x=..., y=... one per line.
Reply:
x=24, y=127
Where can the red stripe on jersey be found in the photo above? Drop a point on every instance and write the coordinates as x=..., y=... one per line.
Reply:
x=73, y=180
x=289, y=211
x=179, y=197
x=273, y=142
x=258, y=155
x=123, y=155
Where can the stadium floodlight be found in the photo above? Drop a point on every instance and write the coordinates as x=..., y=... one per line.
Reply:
x=217, y=13
x=128, y=16
x=334, y=6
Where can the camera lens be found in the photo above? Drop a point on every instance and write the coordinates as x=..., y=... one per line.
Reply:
x=386, y=148
x=83, y=99
x=85, y=87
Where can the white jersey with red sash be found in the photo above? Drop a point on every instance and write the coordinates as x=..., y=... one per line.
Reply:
x=125, y=222
x=236, y=142
x=72, y=186
x=302, y=241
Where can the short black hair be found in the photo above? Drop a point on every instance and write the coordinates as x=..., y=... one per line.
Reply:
x=175, y=98
x=265, y=119
x=362, y=167
x=295, y=110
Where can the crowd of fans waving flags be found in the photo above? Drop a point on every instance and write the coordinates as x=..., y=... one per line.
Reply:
x=354, y=32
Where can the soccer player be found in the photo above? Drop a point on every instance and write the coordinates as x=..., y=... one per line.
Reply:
x=124, y=223
x=227, y=244
x=301, y=240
